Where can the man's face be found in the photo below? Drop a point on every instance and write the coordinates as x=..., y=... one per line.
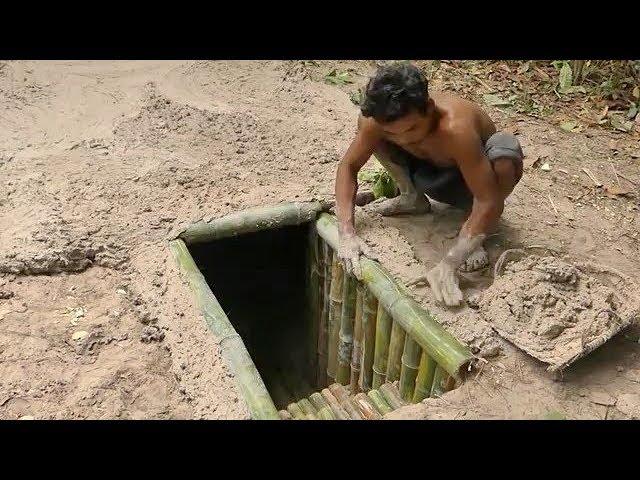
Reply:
x=412, y=128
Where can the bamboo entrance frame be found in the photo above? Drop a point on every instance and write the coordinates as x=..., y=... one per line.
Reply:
x=366, y=335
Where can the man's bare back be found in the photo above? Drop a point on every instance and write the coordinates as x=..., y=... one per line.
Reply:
x=439, y=146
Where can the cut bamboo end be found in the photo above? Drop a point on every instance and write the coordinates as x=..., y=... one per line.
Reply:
x=392, y=396
x=284, y=415
x=306, y=407
x=366, y=407
x=339, y=412
x=378, y=379
x=343, y=398
x=295, y=411
x=424, y=379
x=326, y=414
x=369, y=309
x=380, y=403
x=252, y=220
x=409, y=370
x=335, y=315
x=396, y=347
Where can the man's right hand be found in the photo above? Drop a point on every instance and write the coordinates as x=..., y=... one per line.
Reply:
x=349, y=251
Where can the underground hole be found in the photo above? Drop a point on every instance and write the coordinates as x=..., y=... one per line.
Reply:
x=261, y=282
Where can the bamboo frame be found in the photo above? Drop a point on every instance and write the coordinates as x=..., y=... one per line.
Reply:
x=295, y=411
x=323, y=327
x=324, y=410
x=233, y=350
x=337, y=410
x=366, y=407
x=417, y=322
x=439, y=377
x=316, y=282
x=341, y=394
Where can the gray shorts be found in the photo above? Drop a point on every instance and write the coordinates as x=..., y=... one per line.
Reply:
x=447, y=185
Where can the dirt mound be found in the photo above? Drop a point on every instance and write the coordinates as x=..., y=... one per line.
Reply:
x=556, y=311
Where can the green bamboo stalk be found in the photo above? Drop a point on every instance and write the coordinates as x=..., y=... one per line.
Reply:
x=232, y=348
x=424, y=380
x=356, y=355
x=284, y=415
x=409, y=370
x=439, y=377
x=396, y=347
x=339, y=412
x=345, y=344
x=251, y=220
x=295, y=411
x=335, y=315
x=366, y=407
x=369, y=309
x=324, y=410
x=383, y=333
x=343, y=398
x=417, y=322
x=380, y=403
x=392, y=396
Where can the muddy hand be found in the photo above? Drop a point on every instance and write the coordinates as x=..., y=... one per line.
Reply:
x=444, y=284
x=349, y=251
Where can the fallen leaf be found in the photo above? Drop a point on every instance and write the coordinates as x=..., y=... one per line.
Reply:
x=569, y=126
x=546, y=167
x=636, y=92
x=566, y=77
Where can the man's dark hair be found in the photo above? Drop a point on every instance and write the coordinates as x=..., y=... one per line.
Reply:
x=394, y=91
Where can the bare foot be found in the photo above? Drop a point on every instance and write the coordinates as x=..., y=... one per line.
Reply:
x=476, y=261
x=399, y=205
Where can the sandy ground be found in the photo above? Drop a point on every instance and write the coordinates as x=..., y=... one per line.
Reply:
x=102, y=162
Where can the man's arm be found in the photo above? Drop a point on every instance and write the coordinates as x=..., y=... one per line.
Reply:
x=358, y=153
x=487, y=208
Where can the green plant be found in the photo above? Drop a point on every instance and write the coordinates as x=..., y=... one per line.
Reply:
x=336, y=77
x=383, y=184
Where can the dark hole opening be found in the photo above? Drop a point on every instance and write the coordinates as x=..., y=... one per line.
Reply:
x=261, y=281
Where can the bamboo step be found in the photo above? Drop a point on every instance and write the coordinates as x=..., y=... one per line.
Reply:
x=337, y=403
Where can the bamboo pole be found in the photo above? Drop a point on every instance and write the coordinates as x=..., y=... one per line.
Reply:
x=369, y=309
x=417, y=322
x=439, y=377
x=342, y=396
x=339, y=412
x=268, y=217
x=366, y=407
x=295, y=411
x=424, y=380
x=396, y=347
x=345, y=344
x=323, y=328
x=313, y=292
x=356, y=356
x=284, y=415
x=409, y=371
x=383, y=333
x=324, y=410
x=335, y=315
x=233, y=350
x=380, y=403
x=307, y=408
x=392, y=396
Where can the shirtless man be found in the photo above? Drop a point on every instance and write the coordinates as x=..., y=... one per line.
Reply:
x=437, y=145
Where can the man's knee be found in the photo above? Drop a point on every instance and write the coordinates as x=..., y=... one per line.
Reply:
x=508, y=174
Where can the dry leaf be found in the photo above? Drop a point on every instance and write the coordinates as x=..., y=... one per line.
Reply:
x=617, y=191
